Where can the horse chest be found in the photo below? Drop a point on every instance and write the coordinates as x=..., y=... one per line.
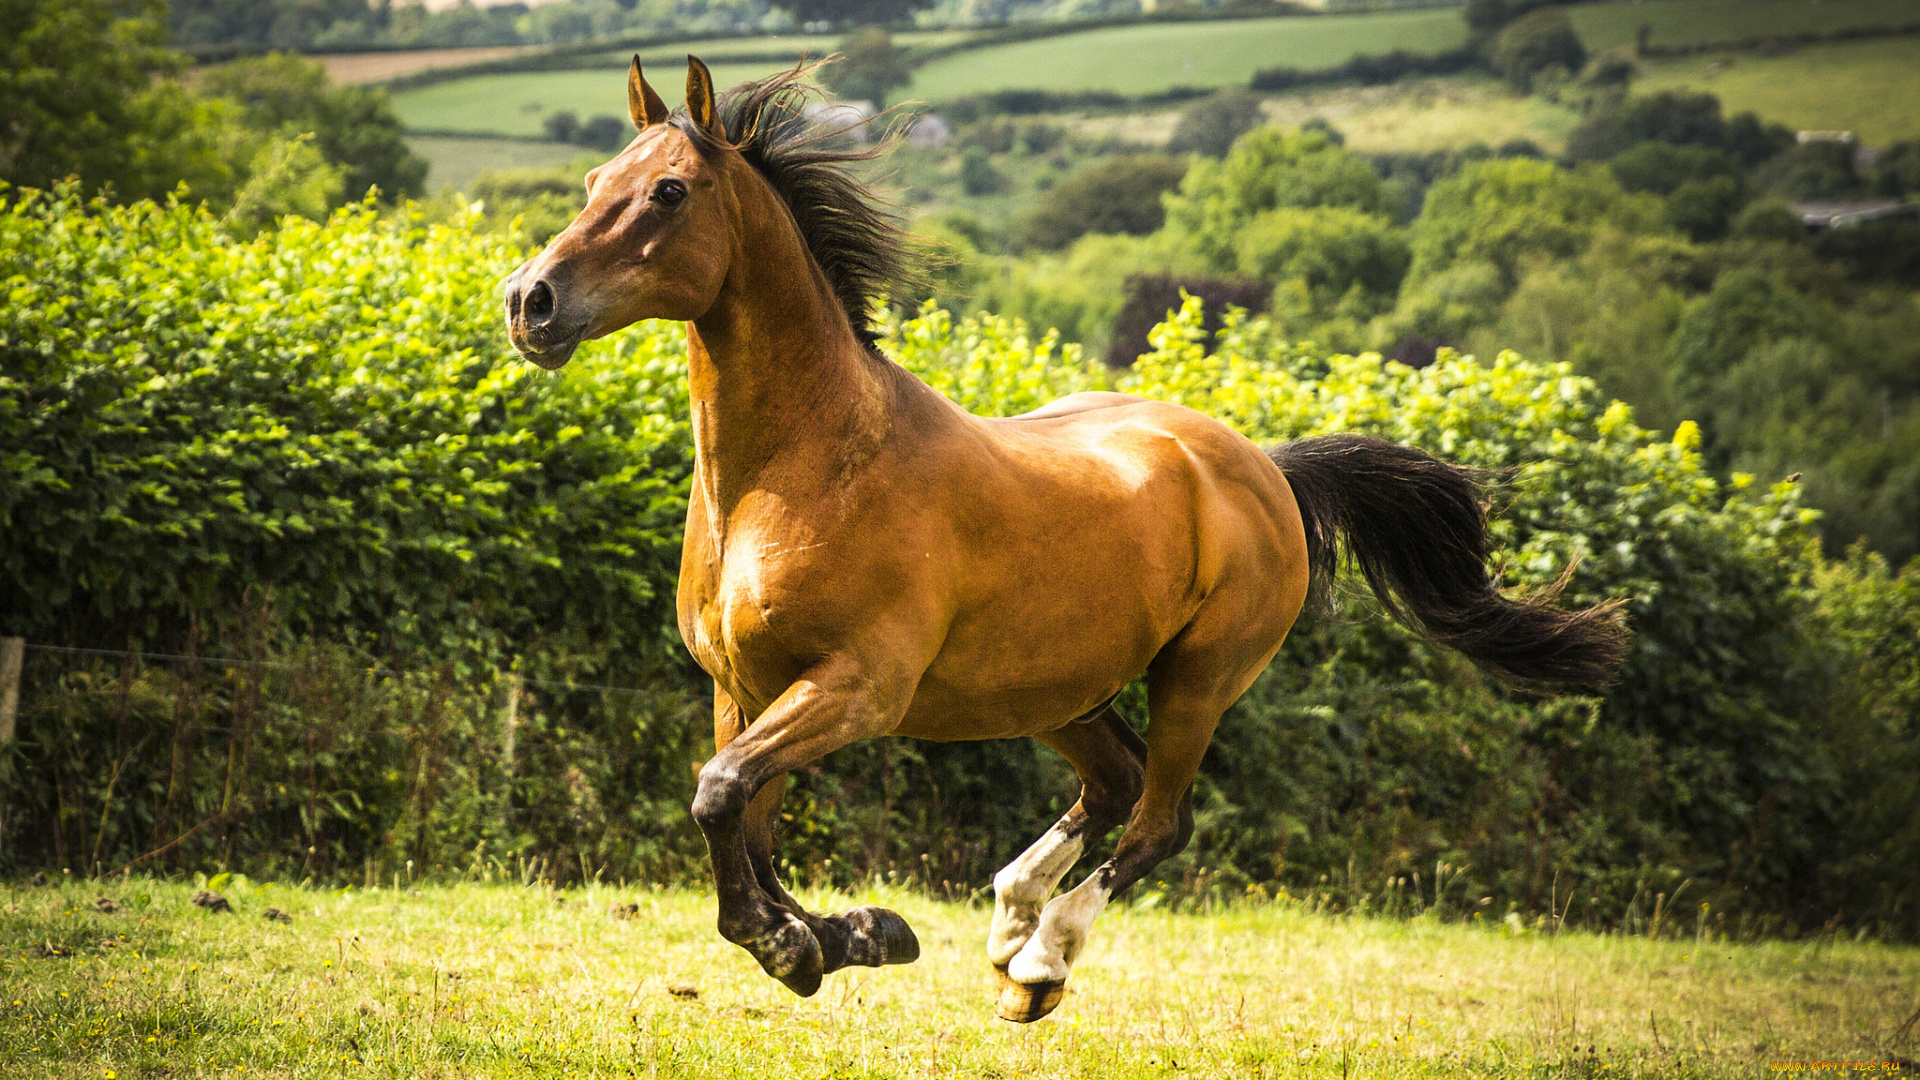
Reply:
x=740, y=610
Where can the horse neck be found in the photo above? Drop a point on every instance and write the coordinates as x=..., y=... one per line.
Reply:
x=775, y=372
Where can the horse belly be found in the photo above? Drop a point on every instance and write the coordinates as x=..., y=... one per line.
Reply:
x=1047, y=653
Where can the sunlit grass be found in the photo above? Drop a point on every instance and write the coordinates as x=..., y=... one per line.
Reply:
x=1869, y=87
x=1153, y=57
x=495, y=980
x=1692, y=22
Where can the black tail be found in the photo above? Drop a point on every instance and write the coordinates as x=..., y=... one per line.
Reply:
x=1417, y=528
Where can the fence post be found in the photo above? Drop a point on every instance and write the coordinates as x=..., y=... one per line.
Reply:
x=511, y=724
x=13, y=652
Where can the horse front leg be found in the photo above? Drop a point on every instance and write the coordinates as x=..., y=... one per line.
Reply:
x=833, y=706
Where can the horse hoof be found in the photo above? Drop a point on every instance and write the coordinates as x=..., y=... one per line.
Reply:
x=791, y=954
x=878, y=937
x=1023, y=1003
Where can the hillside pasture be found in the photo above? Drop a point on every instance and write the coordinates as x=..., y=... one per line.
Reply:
x=456, y=160
x=1423, y=115
x=517, y=103
x=1703, y=22
x=1153, y=57
x=1869, y=87
x=372, y=67
x=484, y=980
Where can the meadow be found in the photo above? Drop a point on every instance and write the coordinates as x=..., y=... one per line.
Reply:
x=515, y=104
x=457, y=159
x=1699, y=22
x=1153, y=57
x=503, y=979
x=1870, y=87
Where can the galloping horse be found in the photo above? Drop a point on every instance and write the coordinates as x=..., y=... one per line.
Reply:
x=864, y=558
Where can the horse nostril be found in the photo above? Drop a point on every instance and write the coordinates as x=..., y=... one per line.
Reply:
x=538, y=304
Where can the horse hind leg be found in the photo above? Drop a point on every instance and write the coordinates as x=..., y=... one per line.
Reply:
x=1107, y=755
x=1162, y=823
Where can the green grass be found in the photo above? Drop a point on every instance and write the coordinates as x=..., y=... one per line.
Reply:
x=516, y=104
x=1696, y=22
x=1870, y=87
x=799, y=45
x=1422, y=115
x=1158, y=56
x=456, y=160
x=493, y=980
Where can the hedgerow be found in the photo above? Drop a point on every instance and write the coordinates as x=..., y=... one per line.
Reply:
x=312, y=453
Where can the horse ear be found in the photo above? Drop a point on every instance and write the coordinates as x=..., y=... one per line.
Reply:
x=643, y=104
x=700, y=99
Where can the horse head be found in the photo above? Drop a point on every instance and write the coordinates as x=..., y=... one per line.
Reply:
x=651, y=242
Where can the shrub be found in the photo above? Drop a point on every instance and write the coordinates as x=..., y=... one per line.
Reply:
x=1536, y=43
x=1115, y=195
x=1210, y=126
x=1269, y=169
x=313, y=450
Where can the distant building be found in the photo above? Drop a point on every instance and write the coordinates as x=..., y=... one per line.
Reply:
x=849, y=117
x=931, y=129
x=1845, y=213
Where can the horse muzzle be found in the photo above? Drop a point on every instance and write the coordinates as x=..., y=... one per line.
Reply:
x=534, y=322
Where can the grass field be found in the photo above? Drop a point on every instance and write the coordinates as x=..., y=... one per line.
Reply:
x=1694, y=22
x=1158, y=56
x=516, y=104
x=1419, y=115
x=495, y=980
x=1870, y=87
x=456, y=160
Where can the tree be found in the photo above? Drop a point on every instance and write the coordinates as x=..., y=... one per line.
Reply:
x=1210, y=126
x=1116, y=195
x=1505, y=211
x=85, y=92
x=1680, y=118
x=353, y=127
x=1536, y=43
x=868, y=68
x=1269, y=168
x=1326, y=263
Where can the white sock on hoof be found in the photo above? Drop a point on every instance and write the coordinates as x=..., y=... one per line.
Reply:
x=1022, y=886
x=1050, y=952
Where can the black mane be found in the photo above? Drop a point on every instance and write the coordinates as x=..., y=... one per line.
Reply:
x=856, y=237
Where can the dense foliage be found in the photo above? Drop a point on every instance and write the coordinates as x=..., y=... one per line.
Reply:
x=90, y=93
x=311, y=452
x=1661, y=259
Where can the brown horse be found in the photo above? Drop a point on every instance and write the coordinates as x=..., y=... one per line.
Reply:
x=865, y=559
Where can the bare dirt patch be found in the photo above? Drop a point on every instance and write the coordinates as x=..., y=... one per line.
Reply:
x=344, y=68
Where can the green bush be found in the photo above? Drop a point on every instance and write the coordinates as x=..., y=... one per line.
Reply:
x=1116, y=195
x=312, y=454
x=1535, y=44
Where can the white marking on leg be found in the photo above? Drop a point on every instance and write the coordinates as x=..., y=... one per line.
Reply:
x=1023, y=885
x=1062, y=932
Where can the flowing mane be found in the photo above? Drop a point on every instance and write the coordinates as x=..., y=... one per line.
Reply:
x=856, y=236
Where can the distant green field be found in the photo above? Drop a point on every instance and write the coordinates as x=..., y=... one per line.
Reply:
x=516, y=104
x=1869, y=87
x=1693, y=22
x=456, y=160
x=810, y=45
x=1158, y=56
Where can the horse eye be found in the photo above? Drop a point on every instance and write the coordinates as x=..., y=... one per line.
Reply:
x=670, y=192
